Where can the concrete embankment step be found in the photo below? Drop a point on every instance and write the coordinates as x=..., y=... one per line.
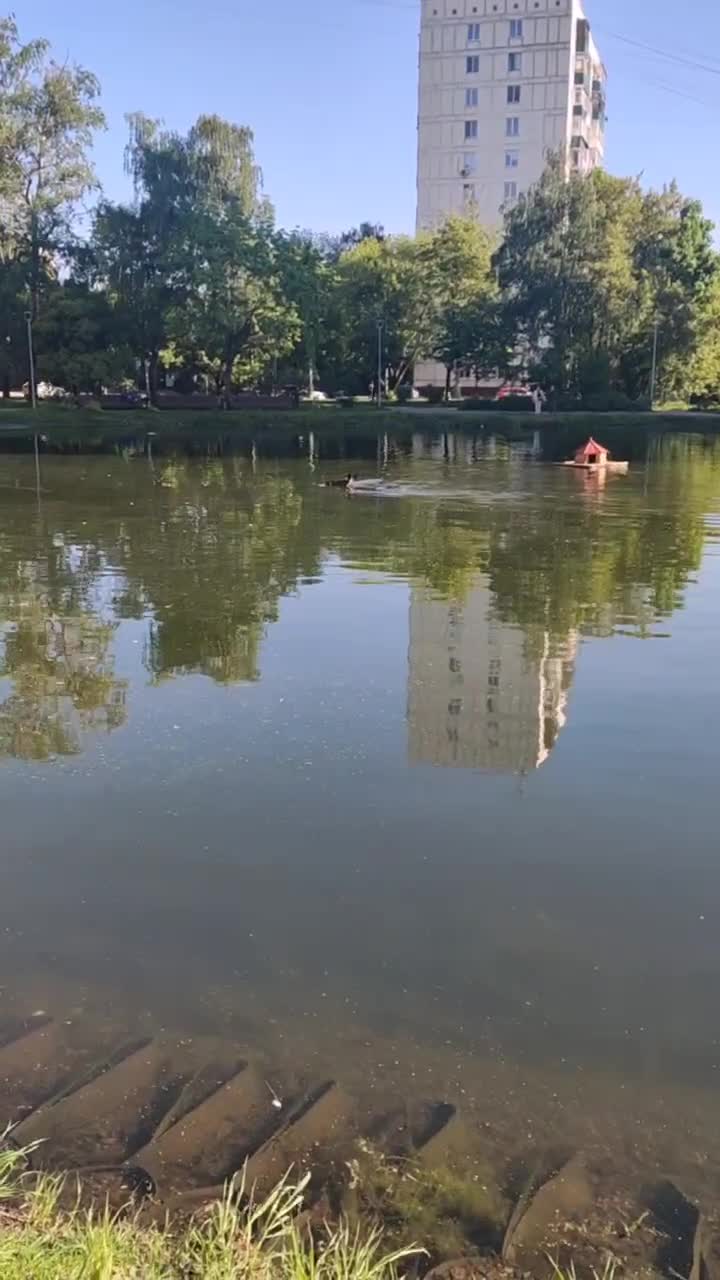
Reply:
x=313, y=1137
x=39, y=1060
x=209, y=1143
x=316, y=1136
x=175, y=1118
x=106, y=1119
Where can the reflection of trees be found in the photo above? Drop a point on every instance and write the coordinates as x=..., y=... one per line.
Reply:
x=223, y=554
x=589, y=567
x=59, y=667
x=206, y=549
x=423, y=541
x=555, y=565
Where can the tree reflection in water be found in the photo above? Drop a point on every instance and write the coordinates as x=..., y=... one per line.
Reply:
x=203, y=552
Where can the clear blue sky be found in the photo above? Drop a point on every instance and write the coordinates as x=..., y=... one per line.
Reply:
x=329, y=87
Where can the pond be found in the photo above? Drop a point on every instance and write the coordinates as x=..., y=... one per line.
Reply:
x=415, y=792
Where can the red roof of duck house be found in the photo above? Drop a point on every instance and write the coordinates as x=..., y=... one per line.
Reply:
x=592, y=452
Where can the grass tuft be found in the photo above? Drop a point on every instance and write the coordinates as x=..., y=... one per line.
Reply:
x=240, y=1237
x=609, y=1271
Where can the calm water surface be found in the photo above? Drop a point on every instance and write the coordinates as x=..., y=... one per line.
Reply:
x=419, y=791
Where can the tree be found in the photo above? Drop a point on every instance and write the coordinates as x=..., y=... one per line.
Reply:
x=13, y=337
x=378, y=281
x=587, y=266
x=234, y=310
x=545, y=267
x=462, y=323
x=131, y=262
x=213, y=164
x=675, y=265
x=306, y=278
x=703, y=370
x=48, y=114
x=80, y=340
x=473, y=336
x=145, y=252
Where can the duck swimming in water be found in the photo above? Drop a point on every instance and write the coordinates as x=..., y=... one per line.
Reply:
x=351, y=484
x=363, y=486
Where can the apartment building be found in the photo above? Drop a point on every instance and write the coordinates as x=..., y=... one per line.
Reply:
x=503, y=83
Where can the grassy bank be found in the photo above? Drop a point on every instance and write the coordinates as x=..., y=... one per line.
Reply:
x=46, y=1234
x=94, y=430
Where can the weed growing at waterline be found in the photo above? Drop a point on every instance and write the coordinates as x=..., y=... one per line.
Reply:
x=445, y=1209
x=238, y=1238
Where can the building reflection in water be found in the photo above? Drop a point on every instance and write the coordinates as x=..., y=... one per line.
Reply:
x=482, y=694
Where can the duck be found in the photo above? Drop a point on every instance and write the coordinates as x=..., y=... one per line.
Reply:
x=351, y=484
x=362, y=486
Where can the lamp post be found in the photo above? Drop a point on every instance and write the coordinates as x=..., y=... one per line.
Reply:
x=33, y=395
x=653, y=375
x=380, y=327
x=31, y=359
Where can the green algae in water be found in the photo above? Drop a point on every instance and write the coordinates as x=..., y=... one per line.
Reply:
x=452, y=1211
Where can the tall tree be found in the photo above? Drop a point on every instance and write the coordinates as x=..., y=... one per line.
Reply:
x=675, y=265
x=379, y=282
x=234, y=310
x=80, y=340
x=546, y=273
x=461, y=322
x=146, y=252
x=48, y=115
x=306, y=282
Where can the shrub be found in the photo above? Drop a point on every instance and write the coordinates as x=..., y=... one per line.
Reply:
x=613, y=402
x=706, y=400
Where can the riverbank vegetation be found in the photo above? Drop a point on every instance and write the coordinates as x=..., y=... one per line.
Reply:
x=46, y=1232
x=190, y=283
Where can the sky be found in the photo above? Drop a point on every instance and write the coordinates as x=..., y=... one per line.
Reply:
x=329, y=88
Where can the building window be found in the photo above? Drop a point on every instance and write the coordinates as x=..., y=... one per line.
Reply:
x=512, y=127
x=472, y=65
x=513, y=93
x=514, y=62
x=516, y=28
x=471, y=97
x=469, y=165
x=512, y=159
x=471, y=129
x=474, y=33
x=468, y=192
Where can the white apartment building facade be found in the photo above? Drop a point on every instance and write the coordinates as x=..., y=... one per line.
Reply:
x=501, y=84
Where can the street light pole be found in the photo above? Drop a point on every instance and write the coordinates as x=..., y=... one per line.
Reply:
x=31, y=359
x=653, y=375
x=33, y=397
x=380, y=326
